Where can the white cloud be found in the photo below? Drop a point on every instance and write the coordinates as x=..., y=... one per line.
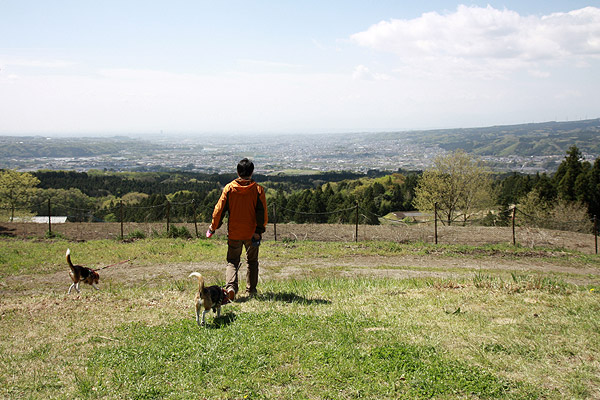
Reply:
x=361, y=72
x=487, y=35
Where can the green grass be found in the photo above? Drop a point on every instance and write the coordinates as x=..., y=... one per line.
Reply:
x=33, y=256
x=329, y=332
x=278, y=355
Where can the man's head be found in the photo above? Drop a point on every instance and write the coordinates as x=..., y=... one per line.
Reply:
x=245, y=168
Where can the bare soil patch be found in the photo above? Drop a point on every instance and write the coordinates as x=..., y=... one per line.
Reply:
x=393, y=267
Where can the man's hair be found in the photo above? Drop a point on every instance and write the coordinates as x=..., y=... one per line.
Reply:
x=245, y=168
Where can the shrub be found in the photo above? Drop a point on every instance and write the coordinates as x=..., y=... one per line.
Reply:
x=136, y=234
x=54, y=235
x=561, y=214
x=179, y=232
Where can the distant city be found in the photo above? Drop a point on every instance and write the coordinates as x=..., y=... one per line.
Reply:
x=272, y=154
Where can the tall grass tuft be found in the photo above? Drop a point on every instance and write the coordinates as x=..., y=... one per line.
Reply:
x=522, y=283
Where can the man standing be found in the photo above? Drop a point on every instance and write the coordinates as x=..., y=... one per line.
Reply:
x=245, y=201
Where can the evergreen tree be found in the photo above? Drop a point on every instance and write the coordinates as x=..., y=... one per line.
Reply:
x=594, y=189
x=278, y=203
x=513, y=188
x=317, y=206
x=303, y=207
x=546, y=189
x=408, y=189
x=395, y=196
x=207, y=206
x=567, y=173
x=292, y=207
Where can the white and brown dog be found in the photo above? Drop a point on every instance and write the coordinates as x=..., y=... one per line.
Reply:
x=211, y=297
x=81, y=274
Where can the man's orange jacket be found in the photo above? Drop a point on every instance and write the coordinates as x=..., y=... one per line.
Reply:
x=245, y=200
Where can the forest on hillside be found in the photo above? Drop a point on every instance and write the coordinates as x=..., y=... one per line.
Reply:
x=316, y=198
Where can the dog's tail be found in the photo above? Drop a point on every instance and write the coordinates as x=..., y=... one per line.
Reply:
x=200, y=281
x=69, y=258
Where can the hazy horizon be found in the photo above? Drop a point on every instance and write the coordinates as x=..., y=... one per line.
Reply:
x=192, y=135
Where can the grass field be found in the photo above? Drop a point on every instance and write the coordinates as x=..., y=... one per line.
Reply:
x=332, y=320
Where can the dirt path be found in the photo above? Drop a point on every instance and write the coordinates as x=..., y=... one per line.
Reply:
x=357, y=266
x=450, y=266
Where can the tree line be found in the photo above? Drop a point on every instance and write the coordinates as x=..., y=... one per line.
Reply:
x=575, y=181
x=459, y=187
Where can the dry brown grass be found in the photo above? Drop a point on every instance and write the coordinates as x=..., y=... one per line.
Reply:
x=401, y=233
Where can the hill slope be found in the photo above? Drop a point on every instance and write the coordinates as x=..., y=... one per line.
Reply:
x=541, y=139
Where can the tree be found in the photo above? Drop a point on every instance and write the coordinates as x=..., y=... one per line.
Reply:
x=72, y=203
x=15, y=189
x=512, y=188
x=458, y=184
x=304, y=200
x=567, y=173
x=317, y=206
x=594, y=189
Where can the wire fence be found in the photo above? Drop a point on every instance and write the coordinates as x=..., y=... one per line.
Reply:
x=512, y=218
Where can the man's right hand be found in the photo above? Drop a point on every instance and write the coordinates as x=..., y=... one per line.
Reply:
x=209, y=232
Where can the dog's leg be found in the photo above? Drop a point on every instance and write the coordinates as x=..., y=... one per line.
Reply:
x=204, y=317
x=70, y=288
x=218, y=311
x=77, y=287
x=95, y=287
x=198, y=314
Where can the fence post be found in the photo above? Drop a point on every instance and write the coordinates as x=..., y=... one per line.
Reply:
x=514, y=213
x=275, y=220
x=168, y=215
x=356, y=232
x=195, y=220
x=435, y=218
x=49, y=219
x=596, y=233
x=121, y=218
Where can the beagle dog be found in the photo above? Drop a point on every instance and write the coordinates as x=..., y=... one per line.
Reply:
x=211, y=297
x=81, y=274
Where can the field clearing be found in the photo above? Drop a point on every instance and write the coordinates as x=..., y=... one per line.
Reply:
x=337, y=319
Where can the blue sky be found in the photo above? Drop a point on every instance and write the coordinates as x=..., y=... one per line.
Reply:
x=210, y=67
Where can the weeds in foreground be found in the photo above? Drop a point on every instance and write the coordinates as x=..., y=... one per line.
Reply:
x=54, y=235
x=136, y=234
x=522, y=283
x=179, y=232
